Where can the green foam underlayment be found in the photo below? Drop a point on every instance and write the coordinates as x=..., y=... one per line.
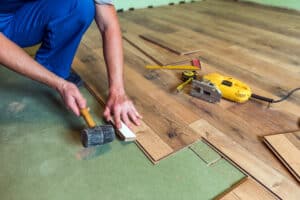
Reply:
x=41, y=156
x=205, y=153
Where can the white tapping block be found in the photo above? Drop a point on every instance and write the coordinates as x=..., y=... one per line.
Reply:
x=126, y=134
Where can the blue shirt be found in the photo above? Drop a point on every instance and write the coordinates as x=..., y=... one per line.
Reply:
x=10, y=6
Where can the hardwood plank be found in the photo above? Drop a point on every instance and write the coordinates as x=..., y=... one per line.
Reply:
x=161, y=56
x=244, y=14
x=151, y=143
x=247, y=190
x=263, y=173
x=266, y=120
x=172, y=43
x=167, y=119
x=147, y=23
x=286, y=147
x=92, y=37
x=271, y=44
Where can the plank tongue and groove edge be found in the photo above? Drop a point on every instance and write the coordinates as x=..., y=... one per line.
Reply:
x=242, y=158
x=247, y=189
x=286, y=147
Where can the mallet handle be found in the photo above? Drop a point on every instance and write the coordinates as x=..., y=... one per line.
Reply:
x=87, y=117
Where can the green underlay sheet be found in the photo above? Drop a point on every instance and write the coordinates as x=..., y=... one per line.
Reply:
x=41, y=156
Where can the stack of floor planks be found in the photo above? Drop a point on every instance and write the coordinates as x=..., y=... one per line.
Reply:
x=235, y=39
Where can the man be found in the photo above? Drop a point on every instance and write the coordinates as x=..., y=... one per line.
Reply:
x=58, y=26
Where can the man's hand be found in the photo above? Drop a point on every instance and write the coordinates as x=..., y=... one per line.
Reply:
x=120, y=108
x=72, y=97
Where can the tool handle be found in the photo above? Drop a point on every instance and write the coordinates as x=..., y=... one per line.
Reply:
x=182, y=85
x=87, y=117
x=173, y=67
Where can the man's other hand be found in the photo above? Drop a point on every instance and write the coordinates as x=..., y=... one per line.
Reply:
x=72, y=97
x=120, y=108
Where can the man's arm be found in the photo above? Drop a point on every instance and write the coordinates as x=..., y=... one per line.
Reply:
x=118, y=105
x=14, y=58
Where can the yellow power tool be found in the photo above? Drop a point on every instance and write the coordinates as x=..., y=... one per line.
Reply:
x=214, y=86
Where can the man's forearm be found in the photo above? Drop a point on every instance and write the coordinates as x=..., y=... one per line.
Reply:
x=19, y=61
x=118, y=105
x=112, y=48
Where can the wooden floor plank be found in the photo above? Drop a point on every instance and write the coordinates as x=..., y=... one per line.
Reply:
x=243, y=14
x=286, y=147
x=247, y=190
x=157, y=54
x=132, y=32
x=270, y=178
x=172, y=43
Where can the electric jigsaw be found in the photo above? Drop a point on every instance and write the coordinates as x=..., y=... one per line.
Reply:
x=214, y=86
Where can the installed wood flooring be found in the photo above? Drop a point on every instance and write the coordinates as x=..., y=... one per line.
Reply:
x=247, y=189
x=258, y=45
x=286, y=146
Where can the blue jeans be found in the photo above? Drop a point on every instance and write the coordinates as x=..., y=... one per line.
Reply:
x=57, y=25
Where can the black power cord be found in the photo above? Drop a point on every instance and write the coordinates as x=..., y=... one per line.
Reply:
x=269, y=100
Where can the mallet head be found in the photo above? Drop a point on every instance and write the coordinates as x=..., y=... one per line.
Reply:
x=98, y=135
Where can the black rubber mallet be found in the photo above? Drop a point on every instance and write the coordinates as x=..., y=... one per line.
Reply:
x=95, y=135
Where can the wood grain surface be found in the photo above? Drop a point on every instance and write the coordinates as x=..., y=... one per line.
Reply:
x=286, y=147
x=248, y=189
x=257, y=45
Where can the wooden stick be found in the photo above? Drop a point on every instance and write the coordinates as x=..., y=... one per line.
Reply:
x=173, y=67
x=87, y=117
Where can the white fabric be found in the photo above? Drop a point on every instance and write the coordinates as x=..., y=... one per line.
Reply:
x=110, y=2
